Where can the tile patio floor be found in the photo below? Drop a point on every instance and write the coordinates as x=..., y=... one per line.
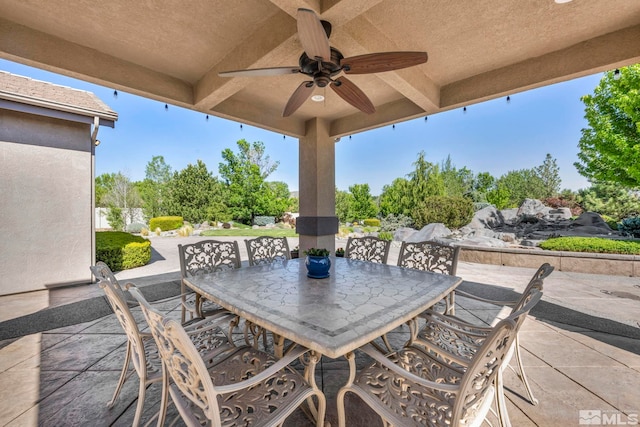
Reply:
x=581, y=352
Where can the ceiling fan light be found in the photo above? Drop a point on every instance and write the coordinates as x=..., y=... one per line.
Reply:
x=562, y=1
x=317, y=98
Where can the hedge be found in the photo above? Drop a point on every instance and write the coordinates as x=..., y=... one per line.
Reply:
x=371, y=222
x=120, y=250
x=166, y=223
x=592, y=244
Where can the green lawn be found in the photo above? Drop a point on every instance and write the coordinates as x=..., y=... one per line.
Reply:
x=273, y=232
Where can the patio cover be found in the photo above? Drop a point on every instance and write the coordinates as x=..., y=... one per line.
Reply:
x=172, y=51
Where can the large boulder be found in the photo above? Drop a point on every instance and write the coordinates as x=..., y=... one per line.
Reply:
x=488, y=217
x=484, y=241
x=591, y=219
x=429, y=232
x=403, y=233
x=533, y=208
x=509, y=216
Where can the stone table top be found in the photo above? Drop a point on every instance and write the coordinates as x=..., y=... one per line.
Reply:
x=359, y=302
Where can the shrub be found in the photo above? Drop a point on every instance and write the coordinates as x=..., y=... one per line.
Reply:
x=166, y=223
x=454, y=212
x=392, y=222
x=135, y=227
x=343, y=232
x=120, y=250
x=263, y=220
x=591, y=244
x=630, y=226
x=185, y=230
x=611, y=222
x=385, y=235
x=371, y=222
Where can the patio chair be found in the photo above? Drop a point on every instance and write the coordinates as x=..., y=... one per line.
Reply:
x=456, y=343
x=434, y=257
x=142, y=350
x=265, y=250
x=412, y=388
x=242, y=386
x=427, y=337
x=367, y=248
x=203, y=257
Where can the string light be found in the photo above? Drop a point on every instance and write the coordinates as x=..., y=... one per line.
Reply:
x=115, y=94
x=616, y=74
x=166, y=107
x=393, y=127
x=284, y=136
x=508, y=99
x=464, y=110
x=240, y=126
x=207, y=118
x=425, y=119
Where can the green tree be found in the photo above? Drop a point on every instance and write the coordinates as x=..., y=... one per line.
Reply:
x=196, y=195
x=610, y=199
x=425, y=180
x=154, y=190
x=104, y=183
x=549, y=173
x=362, y=204
x=274, y=200
x=521, y=184
x=121, y=199
x=483, y=183
x=395, y=198
x=344, y=199
x=244, y=175
x=610, y=146
x=457, y=182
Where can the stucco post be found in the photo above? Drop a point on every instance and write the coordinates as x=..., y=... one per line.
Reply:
x=317, y=223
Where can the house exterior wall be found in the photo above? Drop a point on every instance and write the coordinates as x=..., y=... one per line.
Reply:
x=46, y=207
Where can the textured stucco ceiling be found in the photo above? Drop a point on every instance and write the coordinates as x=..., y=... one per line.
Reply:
x=172, y=51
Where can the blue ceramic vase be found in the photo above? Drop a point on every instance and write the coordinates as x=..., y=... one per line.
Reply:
x=318, y=266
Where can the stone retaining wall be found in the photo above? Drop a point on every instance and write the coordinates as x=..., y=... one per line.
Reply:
x=610, y=264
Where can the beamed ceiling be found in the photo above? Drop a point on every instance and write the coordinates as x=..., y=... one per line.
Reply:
x=172, y=51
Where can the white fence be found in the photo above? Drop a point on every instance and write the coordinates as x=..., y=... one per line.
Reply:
x=101, y=217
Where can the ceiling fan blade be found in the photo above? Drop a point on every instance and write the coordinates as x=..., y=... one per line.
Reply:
x=383, y=61
x=300, y=95
x=312, y=35
x=353, y=95
x=258, y=72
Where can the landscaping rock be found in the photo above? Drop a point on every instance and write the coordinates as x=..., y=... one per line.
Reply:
x=403, y=233
x=429, y=232
x=488, y=217
x=534, y=208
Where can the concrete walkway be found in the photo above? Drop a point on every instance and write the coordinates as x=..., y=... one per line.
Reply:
x=581, y=351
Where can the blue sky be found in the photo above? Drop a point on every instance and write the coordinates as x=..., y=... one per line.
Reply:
x=494, y=136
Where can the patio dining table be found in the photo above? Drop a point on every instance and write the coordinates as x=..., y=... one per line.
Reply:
x=359, y=302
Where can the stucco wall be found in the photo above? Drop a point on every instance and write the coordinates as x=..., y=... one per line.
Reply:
x=46, y=176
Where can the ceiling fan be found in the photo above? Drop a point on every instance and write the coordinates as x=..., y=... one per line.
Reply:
x=322, y=63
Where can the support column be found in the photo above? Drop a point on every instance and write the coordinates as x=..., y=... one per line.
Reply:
x=317, y=223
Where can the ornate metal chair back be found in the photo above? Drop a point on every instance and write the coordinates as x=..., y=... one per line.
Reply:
x=265, y=250
x=128, y=323
x=184, y=365
x=367, y=248
x=429, y=256
x=208, y=256
x=102, y=272
x=477, y=384
x=534, y=285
